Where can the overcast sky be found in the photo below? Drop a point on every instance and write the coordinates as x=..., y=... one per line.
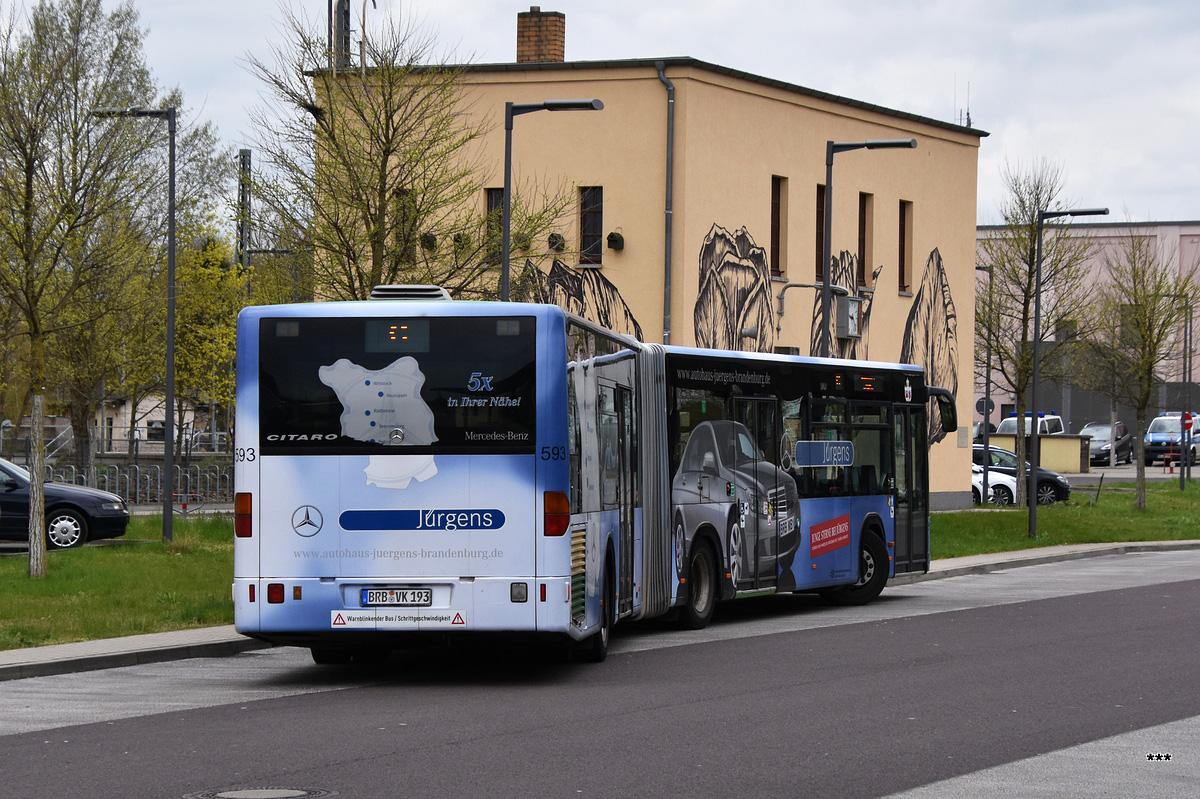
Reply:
x=1108, y=89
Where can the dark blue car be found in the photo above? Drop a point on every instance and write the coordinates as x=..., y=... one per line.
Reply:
x=74, y=514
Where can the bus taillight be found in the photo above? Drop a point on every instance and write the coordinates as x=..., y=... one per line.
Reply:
x=557, y=513
x=243, y=504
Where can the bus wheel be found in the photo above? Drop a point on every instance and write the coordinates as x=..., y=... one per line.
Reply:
x=873, y=574
x=594, y=648
x=702, y=588
x=330, y=656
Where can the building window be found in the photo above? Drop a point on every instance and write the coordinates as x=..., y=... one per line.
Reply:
x=866, y=236
x=495, y=221
x=820, y=233
x=905, y=258
x=591, y=224
x=778, y=226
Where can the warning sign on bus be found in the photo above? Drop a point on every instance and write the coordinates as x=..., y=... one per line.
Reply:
x=352, y=619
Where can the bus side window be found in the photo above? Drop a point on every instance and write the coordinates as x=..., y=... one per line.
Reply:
x=793, y=431
x=573, y=445
x=610, y=447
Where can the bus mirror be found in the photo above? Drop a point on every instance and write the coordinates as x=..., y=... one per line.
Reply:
x=946, y=408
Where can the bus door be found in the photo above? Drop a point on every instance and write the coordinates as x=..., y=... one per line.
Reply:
x=617, y=467
x=911, y=491
x=755, y=448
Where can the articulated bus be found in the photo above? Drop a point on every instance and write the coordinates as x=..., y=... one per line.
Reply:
x=414, y=468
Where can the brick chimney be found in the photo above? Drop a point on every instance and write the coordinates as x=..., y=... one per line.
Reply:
x=541, y=35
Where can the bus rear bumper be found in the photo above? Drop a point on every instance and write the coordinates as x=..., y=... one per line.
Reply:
x=312, y=605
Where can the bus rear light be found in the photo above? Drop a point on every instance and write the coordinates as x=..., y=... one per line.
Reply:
x=251, y=592
x=296, y=592
x=275, y=593
x=243, y=506
x=556, y=518
x=518, y=592
x=543, y=592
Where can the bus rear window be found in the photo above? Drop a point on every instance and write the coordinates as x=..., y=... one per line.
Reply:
x=439, y=385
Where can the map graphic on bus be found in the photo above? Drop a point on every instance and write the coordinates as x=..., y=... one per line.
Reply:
x=385, y=406
x=382, y=406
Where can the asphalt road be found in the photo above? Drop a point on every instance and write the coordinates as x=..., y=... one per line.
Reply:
x=1054, y=680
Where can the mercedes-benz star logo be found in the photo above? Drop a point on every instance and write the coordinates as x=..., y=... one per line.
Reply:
x=307, y=521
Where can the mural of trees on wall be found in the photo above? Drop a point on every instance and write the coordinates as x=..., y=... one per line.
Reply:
x=735, y=293
x=931, y=335
x=843, y=272
x=584, y=292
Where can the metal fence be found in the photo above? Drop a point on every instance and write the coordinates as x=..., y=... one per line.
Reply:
x=195, y=484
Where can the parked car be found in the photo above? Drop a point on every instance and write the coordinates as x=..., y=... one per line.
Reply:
x=1103, y=442
x=1051, y=486
x=74, y=514
x=1048, y=425
x=977, y=431
x=1163, y=436
x=1002, y=488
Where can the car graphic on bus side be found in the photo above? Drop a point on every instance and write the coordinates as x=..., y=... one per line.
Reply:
x=724, y=485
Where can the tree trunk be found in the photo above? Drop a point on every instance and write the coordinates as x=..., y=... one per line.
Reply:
x=37, y=494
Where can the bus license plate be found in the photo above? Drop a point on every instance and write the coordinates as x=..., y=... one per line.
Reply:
x=397, y=597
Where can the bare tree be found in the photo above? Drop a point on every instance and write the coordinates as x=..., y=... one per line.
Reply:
x=377, y=165
x=1006, y=318
x=1143, y=305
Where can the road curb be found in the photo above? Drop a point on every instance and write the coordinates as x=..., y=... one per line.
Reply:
x=1003, y=561
x=224, y=641
x=42, y=662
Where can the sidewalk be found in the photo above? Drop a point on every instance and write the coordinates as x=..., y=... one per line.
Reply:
x=223, y=641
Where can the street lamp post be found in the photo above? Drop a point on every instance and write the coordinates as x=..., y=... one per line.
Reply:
x=167, y=114
x=511, y=110
x=1185, y=462
x=987, y=385
x=1034, y=460
x=831, y=149
x=1187, y=386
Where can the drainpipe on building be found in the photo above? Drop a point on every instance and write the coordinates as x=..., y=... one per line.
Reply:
x=661, y=66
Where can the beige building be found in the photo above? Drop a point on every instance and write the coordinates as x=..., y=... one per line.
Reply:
x=701, y=194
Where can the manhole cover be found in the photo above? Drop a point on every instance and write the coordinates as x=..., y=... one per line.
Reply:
x=263, y=793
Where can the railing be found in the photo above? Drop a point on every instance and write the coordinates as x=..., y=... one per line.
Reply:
x=195, y=484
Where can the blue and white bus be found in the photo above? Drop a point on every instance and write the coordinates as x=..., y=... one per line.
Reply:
x=412, y=467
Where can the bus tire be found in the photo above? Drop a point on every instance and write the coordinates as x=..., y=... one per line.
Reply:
x=594, y=648
x=697, y=611
x=873, y=574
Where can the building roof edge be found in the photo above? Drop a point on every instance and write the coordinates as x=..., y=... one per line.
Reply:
x=687, y=61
